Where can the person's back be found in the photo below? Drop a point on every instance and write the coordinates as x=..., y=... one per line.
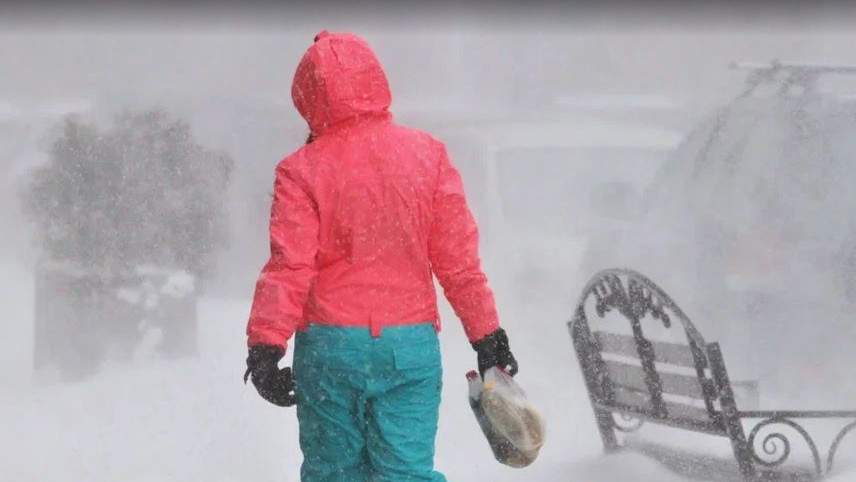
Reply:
x=363, y=216
x=374, y=190
x=389, y=208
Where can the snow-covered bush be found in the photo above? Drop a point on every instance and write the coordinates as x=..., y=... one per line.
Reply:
x=142, y=192
x=128, y=220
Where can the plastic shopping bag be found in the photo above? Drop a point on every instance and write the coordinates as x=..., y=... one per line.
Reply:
x=513, y=428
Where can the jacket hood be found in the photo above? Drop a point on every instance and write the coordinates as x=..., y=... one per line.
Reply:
x=339, y=79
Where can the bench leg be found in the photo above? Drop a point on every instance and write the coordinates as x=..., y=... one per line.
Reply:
x=606, y=426
x=730, y=415
x=591, y=367
x=742, y=452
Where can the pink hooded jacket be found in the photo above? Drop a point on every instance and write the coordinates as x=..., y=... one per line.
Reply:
x=363, y=215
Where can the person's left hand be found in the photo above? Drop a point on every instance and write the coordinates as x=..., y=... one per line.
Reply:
x=493, y=351
x=274, y=384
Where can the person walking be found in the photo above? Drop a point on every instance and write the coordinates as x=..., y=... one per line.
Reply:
x=363, y=215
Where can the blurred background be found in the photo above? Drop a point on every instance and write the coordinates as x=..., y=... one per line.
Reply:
x=137, y=150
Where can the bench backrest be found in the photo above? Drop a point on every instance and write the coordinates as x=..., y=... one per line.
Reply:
x=677, y=382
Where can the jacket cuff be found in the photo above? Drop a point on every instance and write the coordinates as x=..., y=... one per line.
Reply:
x=479, y=332
x=266, y=338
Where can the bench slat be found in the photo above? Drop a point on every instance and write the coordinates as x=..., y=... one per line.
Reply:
x=664, y=352
x=641, y=402
x=633, y=377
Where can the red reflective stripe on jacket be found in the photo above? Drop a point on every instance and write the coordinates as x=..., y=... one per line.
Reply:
x=364, y=215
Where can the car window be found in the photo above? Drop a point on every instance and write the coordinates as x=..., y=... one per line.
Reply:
x=551, y=189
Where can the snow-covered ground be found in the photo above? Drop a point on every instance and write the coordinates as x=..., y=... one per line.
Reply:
x=193, y=420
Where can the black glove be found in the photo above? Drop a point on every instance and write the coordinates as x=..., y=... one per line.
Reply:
x=274, y=385
x=493, y=351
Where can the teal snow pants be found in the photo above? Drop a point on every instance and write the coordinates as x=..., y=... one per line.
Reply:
x=368, y=407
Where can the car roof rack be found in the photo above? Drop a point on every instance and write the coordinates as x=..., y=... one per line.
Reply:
x=787, y=74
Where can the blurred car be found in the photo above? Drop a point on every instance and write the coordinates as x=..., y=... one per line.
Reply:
x=540, y=187
x=751, y=219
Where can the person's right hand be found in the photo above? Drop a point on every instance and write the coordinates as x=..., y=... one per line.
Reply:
x=274, y=384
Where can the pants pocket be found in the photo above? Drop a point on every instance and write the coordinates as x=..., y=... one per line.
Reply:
x=423, y=355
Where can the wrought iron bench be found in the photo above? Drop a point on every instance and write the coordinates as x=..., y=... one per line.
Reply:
x=633, y=377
